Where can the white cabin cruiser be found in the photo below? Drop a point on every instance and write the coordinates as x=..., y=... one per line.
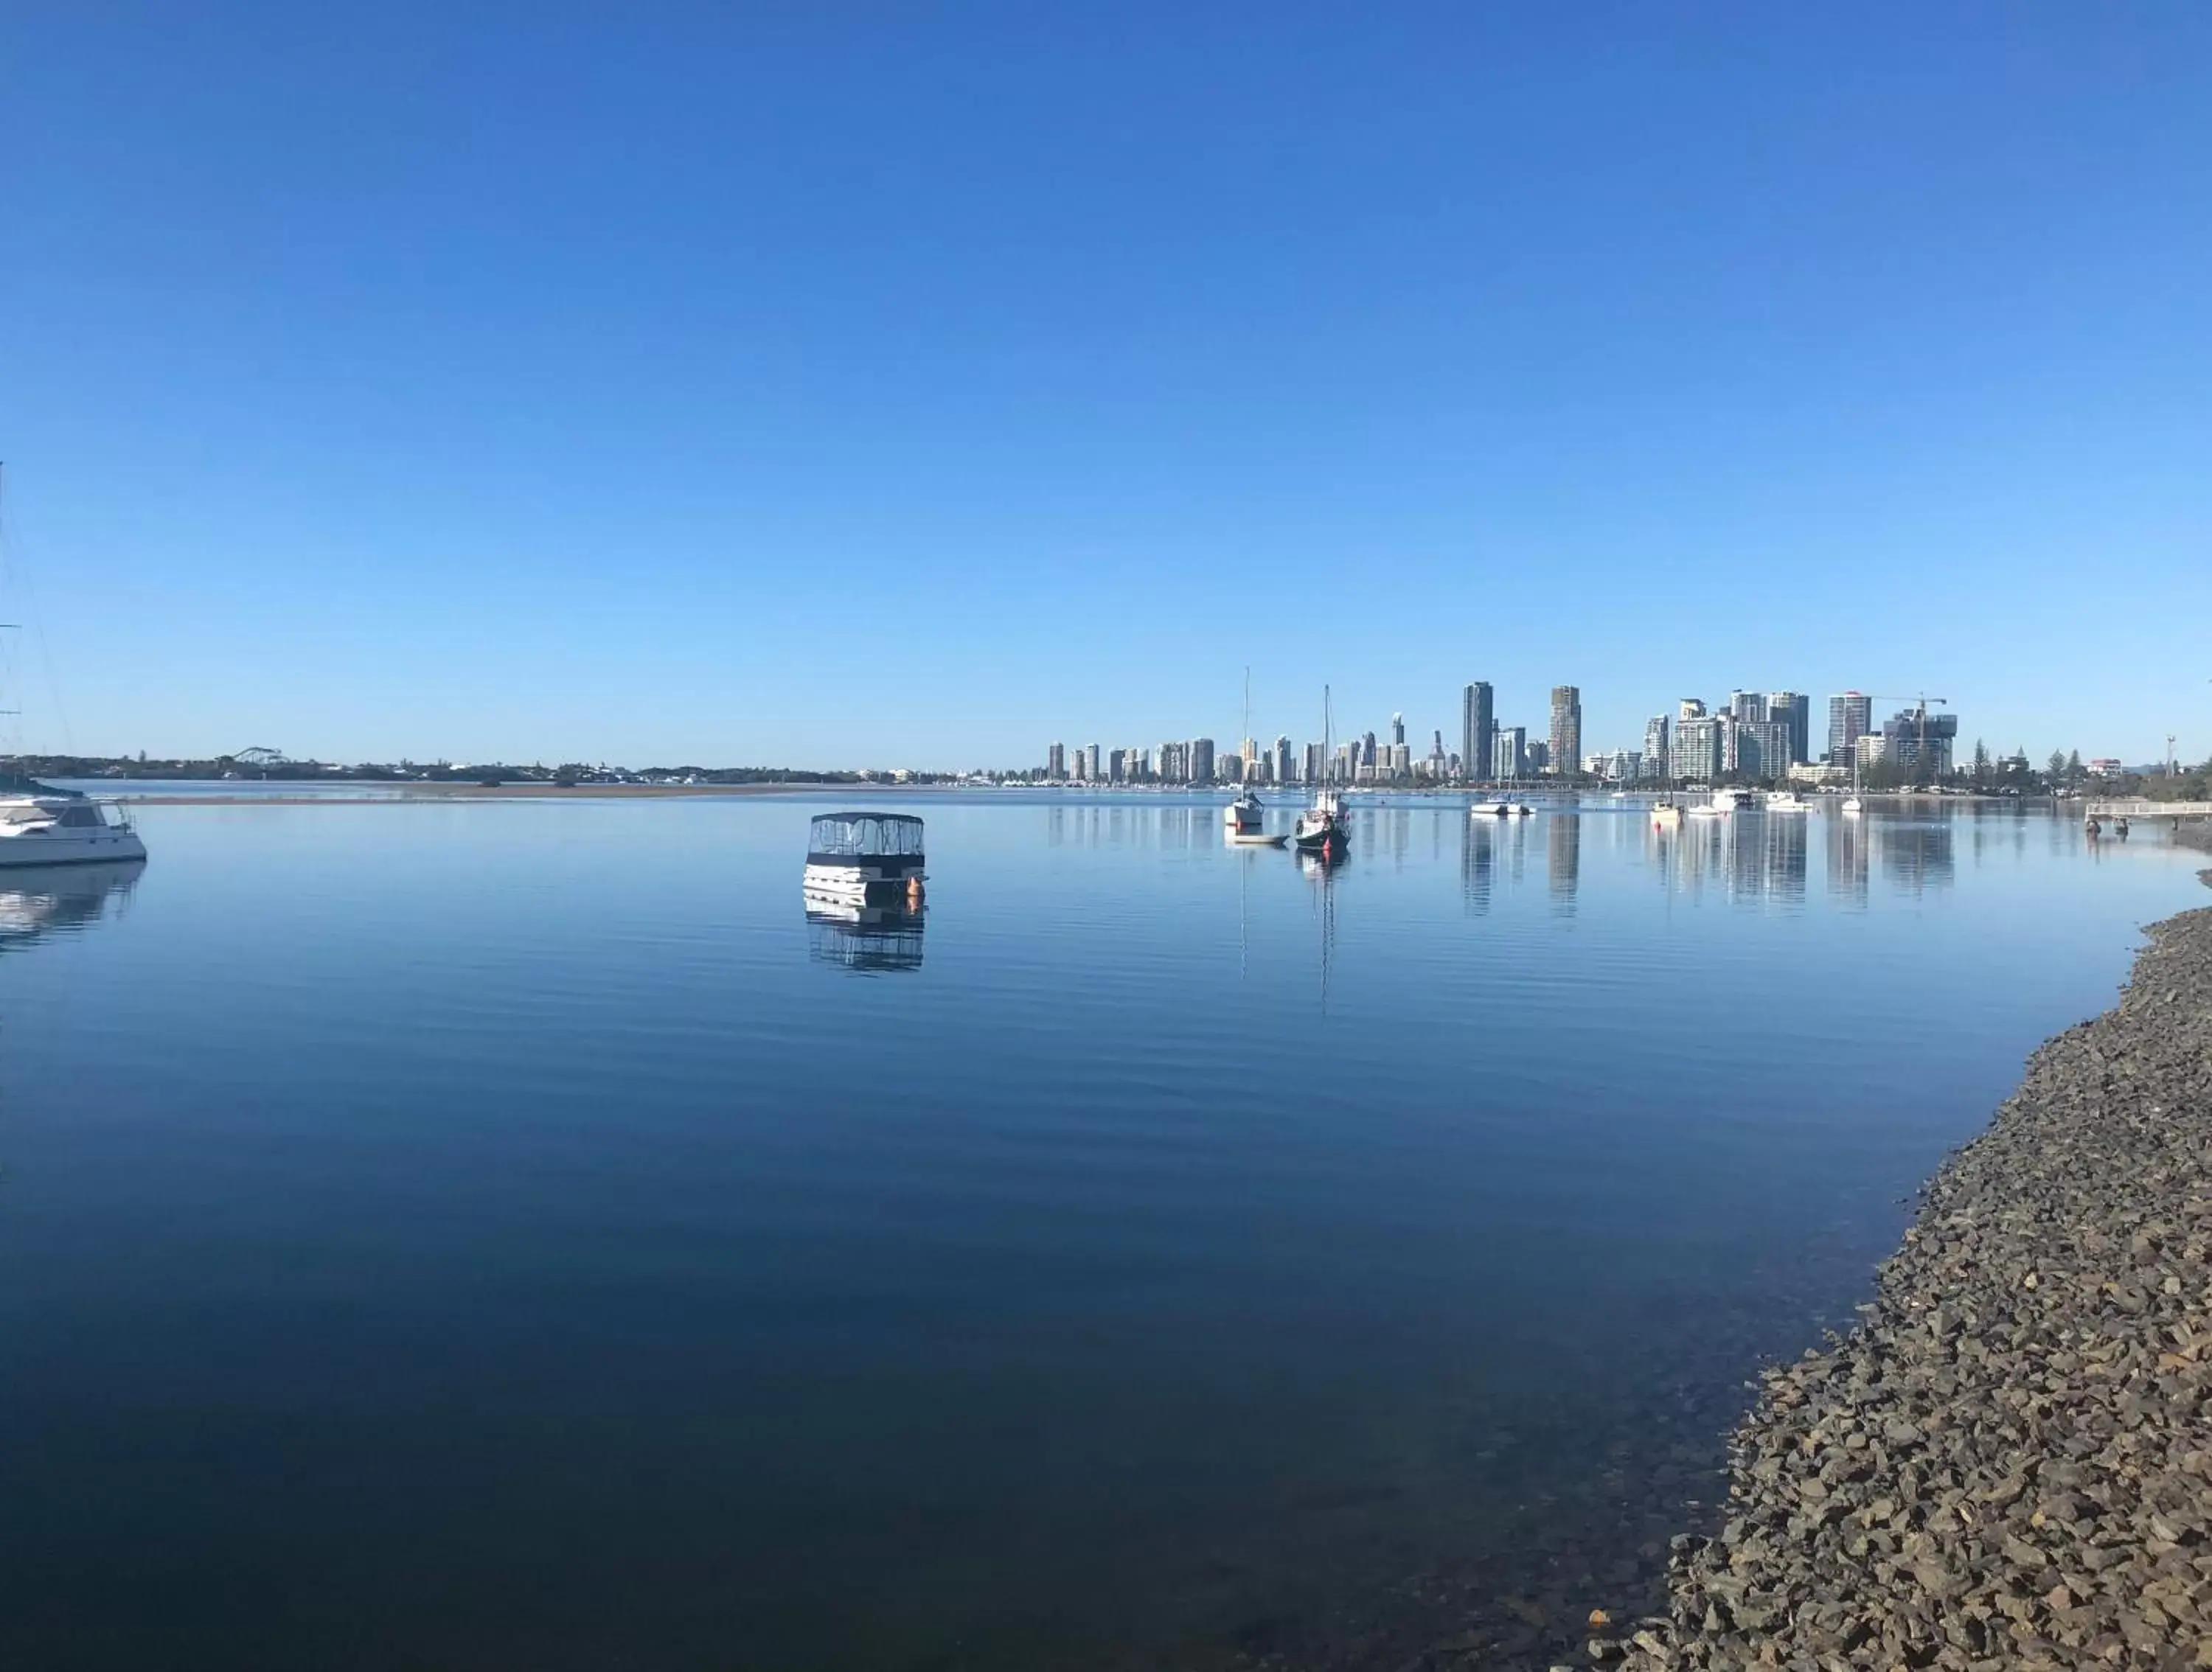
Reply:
x=1724, y=802
x=863, y=856
x=1787, y=800
x=45, y=826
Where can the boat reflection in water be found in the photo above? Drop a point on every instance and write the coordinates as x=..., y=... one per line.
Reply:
x=40, y=900
x=873, y=936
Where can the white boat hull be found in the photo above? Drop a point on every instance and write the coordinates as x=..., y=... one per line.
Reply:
x=854, y=882
x=59, y=846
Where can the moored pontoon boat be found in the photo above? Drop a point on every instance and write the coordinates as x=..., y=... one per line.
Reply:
x=863, y=856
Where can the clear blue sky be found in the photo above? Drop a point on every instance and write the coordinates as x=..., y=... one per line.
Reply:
x=853, y=384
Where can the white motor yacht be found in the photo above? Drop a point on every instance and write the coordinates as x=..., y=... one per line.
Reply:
x=1787, y=800
x=59, y=827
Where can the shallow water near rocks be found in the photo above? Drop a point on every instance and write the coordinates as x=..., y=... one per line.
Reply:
x=513, y=1235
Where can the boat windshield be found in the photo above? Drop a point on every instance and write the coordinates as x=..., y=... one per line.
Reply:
x=866, y=833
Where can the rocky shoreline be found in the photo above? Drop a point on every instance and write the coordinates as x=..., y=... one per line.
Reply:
x=2008, y=1462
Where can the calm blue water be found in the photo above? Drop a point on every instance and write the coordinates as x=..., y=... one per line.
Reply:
x=511, y=1235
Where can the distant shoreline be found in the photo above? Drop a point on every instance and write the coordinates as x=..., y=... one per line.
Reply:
x=369, y=792
x=398, y=794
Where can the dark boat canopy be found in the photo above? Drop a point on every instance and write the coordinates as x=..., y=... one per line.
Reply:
x=865, y=835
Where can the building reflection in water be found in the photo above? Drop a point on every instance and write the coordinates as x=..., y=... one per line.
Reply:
x=872, y=939
x=40, y=900
x=1919, y=856
x=1477, y=842
x=1563, y=852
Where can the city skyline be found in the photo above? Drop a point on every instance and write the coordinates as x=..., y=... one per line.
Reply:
x=1752, y=733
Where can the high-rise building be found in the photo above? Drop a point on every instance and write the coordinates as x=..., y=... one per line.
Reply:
x=1762, y=748
x=1535, y=754
x=1250, y=757
x=1689, y=709
x=1316, y=764
x=1201, y=761
x=1655, y=747
x=1397, y=728
x=1367, y=747
x=1510, y=756
x=1117, y=766
x=1055, y=762
x=1476, y=728
x=1172, y=770
x=1746, y=705
x=1286, y=767
x=1850, y=717
x=1694, y=755
x=1567, y=743
x=1911, y=731
x=1092, y=764
x=1795, y=711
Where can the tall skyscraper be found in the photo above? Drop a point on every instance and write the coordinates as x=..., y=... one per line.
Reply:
x=1093, y=762
x=1850, y=717
x=1117, y=766
x=1201, y=760
x=1475, y=722
x=1762, y=748
x=1286, y=767
x=1795, y=711
x=1694, y=755
x=1655, y=746
x=1397, y=728
x=1315, y=764
x=1055, y=762
x=1510, y=756
x=1566, y=745
x=1689, y=709
x=1746, y=705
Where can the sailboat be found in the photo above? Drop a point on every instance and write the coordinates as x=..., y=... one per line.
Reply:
x=42, y=824
x=1852, y=802
x=1245, y=821
x=1323, y=828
